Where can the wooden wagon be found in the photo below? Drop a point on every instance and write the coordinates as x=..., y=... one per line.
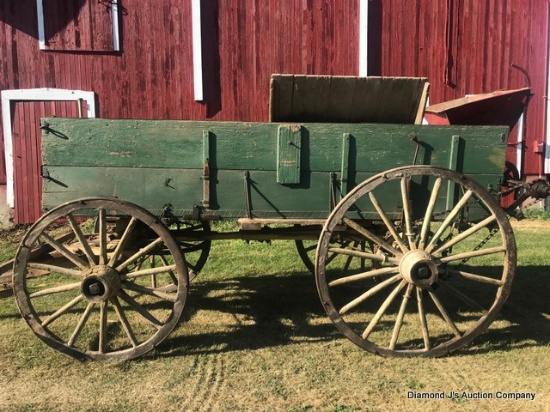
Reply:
x=399, y=222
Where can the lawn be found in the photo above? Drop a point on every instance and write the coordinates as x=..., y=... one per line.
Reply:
x=255, y=338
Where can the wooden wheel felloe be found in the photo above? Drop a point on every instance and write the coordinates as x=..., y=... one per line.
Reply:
x=440, y=266
x=92, y=296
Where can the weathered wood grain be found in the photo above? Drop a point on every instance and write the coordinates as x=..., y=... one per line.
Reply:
x=159, y=163
x=309, y=98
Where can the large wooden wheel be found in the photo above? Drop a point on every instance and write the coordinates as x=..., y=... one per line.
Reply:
x=113, y=286
x=441, y=264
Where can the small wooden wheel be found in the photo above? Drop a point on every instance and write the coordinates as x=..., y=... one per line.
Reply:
x=92, y=297
x=437, y=274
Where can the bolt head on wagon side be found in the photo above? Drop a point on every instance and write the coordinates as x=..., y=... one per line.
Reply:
x=400, y=223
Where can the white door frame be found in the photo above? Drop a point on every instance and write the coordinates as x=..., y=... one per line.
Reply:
x=33, y=95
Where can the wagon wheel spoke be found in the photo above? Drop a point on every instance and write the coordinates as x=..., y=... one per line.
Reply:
x=101, y=270
x=55, y=289
x=363, y=255
x=476, y=253
x=383, y=308
x=82, y=239
x=153, y=275
x=364, y=275
x=62, y=310
x=102, y=224
x=102, y=327
x=444, y=312
x=151, y=271
x=141, y=253
x=448, y=220
x=464, y=235
x=473, y=304
x=81, y=323
x=429, y=212
x=335, y=254
x=372, y=237
x=124, y=322
x=400, y=316
x=388, y=223
x=57, y=269
x=123, y=242
x=474, y=277
x=170, y=272
x=407, y=212
x=307, y=253
x=140, y=309
x=172, y=297
x=371, y=292
x=422, y=316
x=64, y=251
x=454, y=254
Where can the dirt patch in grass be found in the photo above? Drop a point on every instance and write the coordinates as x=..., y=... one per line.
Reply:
x=535, y=224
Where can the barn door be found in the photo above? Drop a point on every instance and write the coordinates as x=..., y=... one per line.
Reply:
x=27, y=159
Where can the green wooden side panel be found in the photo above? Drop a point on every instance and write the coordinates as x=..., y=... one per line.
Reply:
x=155, y=163
x=252, y=146
x=149, y=188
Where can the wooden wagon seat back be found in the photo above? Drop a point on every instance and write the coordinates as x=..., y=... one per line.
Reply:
x=347, y=99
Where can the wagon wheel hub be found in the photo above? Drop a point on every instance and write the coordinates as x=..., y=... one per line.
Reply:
x=100, y=284
x=417, y=267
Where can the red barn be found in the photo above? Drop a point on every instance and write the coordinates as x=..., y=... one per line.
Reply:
x=193, y=59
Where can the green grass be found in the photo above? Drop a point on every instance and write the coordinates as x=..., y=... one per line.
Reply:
x=537, y=214
x=255, y=338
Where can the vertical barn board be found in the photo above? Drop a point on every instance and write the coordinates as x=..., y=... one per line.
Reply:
x=469, y=47
x=152, y=76
x=27, y=159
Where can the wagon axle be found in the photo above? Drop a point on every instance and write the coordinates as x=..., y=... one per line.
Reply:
x=417, y=267
x=100, y=283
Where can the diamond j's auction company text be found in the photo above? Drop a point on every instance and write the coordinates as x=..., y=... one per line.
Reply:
x=516, y=396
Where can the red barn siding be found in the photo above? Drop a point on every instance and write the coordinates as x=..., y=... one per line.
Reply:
x=462, y=46
x=292, y=36
x=469, y=46
x=244, y=42
x=152, y=76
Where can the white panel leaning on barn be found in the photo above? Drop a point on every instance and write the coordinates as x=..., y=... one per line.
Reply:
x=36, y=95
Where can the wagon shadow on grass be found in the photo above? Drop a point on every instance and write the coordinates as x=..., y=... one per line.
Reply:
x=527, y=310
x=265, y=311
x=273, y=310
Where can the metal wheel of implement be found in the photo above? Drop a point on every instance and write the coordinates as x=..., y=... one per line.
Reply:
x=114, y=290
x=436, y=277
